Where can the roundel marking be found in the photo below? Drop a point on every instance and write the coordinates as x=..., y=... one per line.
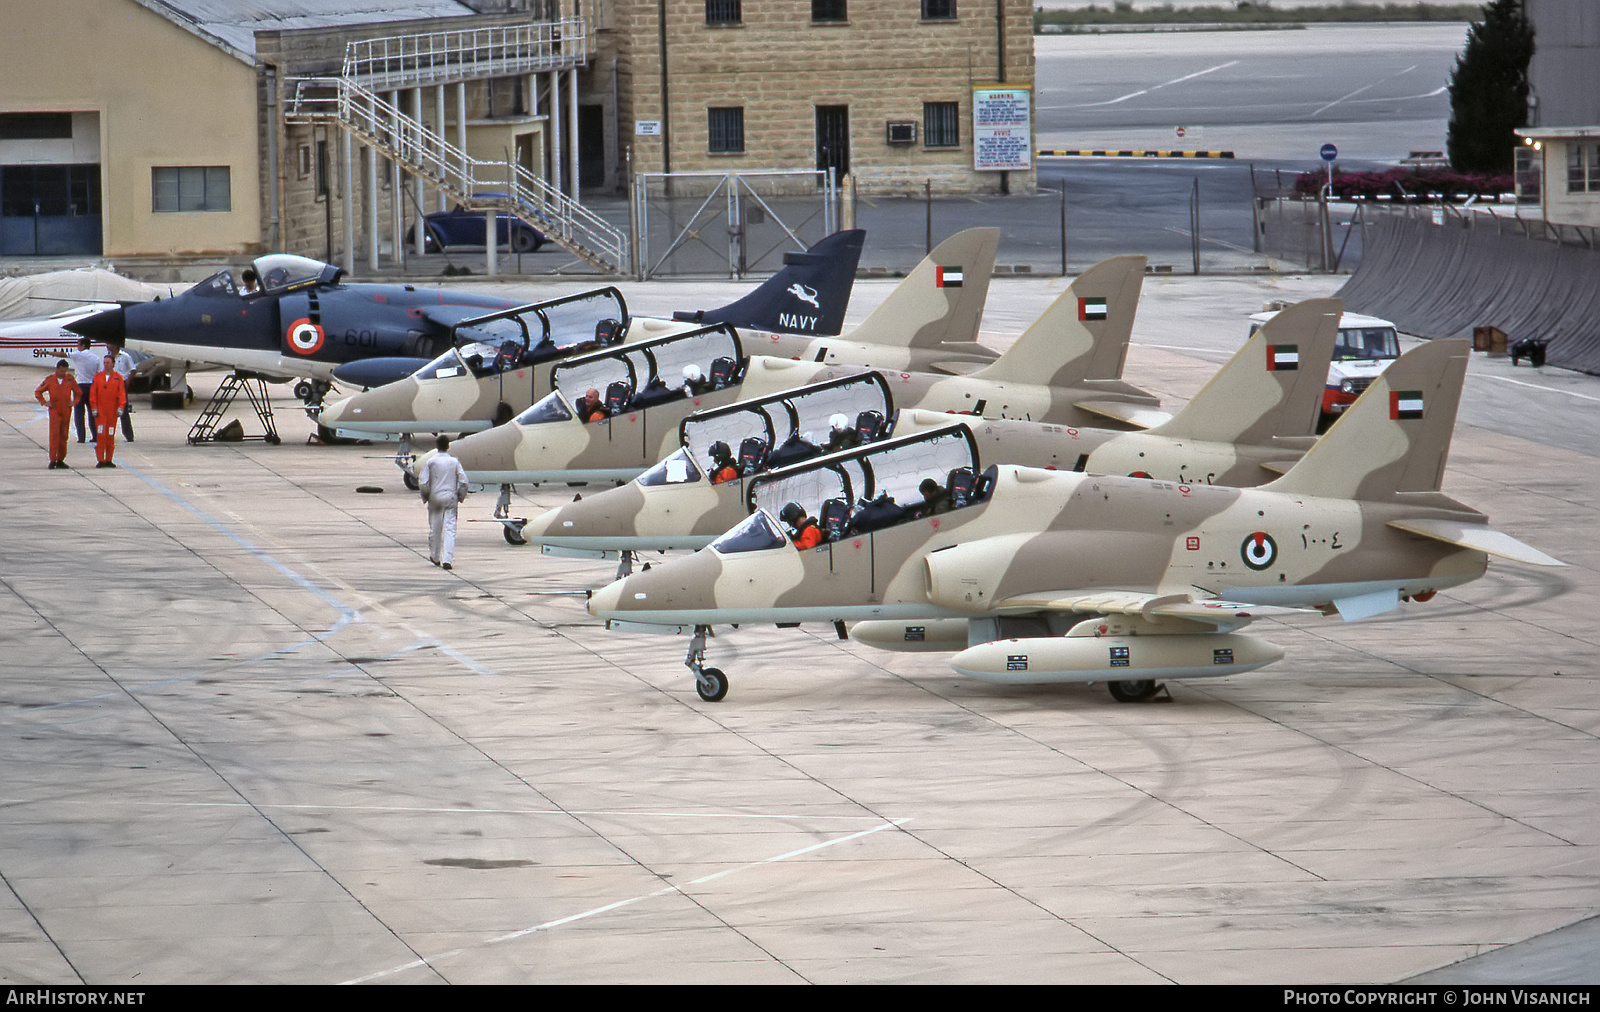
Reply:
x=1139, y=474
x=1259, y=550
x=305, y=337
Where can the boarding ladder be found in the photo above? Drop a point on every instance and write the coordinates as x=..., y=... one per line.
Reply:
x=208, y=426
x=353, y=102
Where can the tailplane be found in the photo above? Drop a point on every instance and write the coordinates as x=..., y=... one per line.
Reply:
x=1083, y=335
x=808, y=296
x=1396, y=436
x=941, y=300
x=1272, y=386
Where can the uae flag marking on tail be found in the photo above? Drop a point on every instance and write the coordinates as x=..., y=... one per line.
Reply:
x=947, y=277
x=1283, y=357
x=1091, y=309
x=1405, y=404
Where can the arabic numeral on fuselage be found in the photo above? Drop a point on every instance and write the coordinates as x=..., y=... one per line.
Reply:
x=361, y=338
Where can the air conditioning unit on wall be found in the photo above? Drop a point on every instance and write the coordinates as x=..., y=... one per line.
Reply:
x=902, y=132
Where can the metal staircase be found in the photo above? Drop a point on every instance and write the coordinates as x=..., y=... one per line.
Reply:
x=353, y=102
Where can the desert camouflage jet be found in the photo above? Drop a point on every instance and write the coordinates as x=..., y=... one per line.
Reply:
x=564, y=438
x=1247, y=425
x=929, y=321
x=1063, y=577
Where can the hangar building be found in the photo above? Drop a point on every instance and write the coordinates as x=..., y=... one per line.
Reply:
x=172, y=130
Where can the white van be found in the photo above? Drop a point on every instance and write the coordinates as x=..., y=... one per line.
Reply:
x=1365, y=348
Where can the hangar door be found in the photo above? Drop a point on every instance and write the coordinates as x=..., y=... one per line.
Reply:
x=49, y=210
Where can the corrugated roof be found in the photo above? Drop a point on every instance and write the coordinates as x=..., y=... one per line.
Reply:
x=234, y=23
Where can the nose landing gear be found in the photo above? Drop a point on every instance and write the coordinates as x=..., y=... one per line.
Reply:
x=710, y=683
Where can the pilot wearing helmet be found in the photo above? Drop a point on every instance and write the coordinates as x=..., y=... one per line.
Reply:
x=722, y=466
x=842, y=435
x=803, y=529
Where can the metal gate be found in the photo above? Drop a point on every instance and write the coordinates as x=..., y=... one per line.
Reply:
x=728, y=224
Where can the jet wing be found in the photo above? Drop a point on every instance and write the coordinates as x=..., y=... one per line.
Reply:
x=1223, y=615
x=1137, y=415
x=448, y=316
x=1477, y=537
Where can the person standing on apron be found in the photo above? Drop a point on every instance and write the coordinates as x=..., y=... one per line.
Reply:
x=85, y=364
x=443, y=482
x=60, y=393
x=108, y=395
x=124, y=367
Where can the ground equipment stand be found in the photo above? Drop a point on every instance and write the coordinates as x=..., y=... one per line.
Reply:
x=207, y=426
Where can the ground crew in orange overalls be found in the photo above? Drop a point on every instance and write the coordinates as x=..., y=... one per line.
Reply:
x=107, y=396
x=60, y=393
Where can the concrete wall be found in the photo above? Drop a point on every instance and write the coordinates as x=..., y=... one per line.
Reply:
x=163, y=97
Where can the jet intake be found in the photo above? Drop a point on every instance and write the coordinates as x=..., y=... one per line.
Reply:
x=1080, y=658
x=965, y=577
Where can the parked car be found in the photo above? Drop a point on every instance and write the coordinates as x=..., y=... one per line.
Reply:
x=464, y=227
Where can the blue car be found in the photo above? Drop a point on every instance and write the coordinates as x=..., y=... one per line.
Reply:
x=464, y=227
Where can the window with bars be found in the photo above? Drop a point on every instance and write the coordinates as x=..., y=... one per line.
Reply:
x=941, y=124
x=723, y=12
x=938, y=10
x=190, y=188
x=725, y=126
x=829, y=11
x=1583, y=167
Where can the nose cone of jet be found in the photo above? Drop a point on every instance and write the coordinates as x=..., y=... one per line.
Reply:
x=108, y=326
x=676, y=592
x=375, y=410
x=332, y=414
x=608, y=514
x=493, y=450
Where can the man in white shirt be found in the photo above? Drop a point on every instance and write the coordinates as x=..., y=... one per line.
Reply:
x=85, y=364
x=124, y=368
x=443, y=481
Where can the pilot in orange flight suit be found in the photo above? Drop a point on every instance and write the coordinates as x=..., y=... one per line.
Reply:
x=60, y=391
x=107, y=396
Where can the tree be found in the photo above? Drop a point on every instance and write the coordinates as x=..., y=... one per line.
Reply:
x=1489, y=90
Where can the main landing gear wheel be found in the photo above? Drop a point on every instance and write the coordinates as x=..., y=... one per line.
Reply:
x=710, y=683
x=513, y=534
x=1133, y=692
x=410, y=480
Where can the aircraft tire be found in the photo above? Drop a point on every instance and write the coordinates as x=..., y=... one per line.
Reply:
x=513, y=537
x=303, y=390
x=712, y=684
x=1132, y=691
x=503, y=413
x=410, y=480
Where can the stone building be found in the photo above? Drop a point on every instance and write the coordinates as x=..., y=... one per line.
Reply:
x=206, y=130
x=882, y=89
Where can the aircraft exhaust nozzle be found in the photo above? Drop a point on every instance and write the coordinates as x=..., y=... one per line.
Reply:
x=1115, y=658
x=934, y=635
x=108, y=326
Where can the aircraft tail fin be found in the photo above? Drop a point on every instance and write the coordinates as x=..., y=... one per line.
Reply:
x=1083, y=335
x=1396, y=437
x=808, y=296
x=1273, y=384
x=941, y=300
